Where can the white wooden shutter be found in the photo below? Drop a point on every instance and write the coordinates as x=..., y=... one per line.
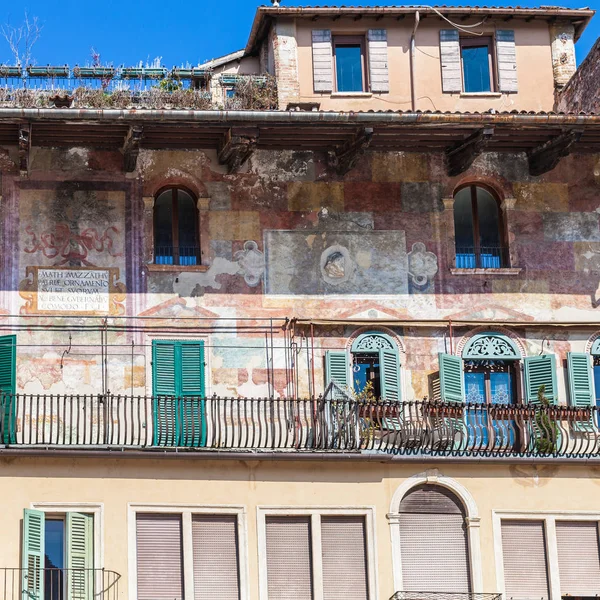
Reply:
x=379, y=77
x=433, y=542
x=289, y=561
x=578, y=558
x=216, y=568
x=322, y=51
x=506, y=58
x=343, y=547
x=450, y=59
x=159, y=561
x=524, y=555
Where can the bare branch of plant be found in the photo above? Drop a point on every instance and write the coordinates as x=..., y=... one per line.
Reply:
x=21, y=39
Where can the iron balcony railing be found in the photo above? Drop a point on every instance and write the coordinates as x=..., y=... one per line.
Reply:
x=58, y=584
x=204, y=424
x=481, y=257
x=445, y=596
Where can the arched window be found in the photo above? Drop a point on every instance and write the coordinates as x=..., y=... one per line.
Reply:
x=478, y=230
x=374, y=361
x=176, y=238
x=434, y=546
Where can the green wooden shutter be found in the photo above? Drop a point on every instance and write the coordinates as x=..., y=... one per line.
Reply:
x=336, y=371
x=540, y=371
x=190, y=379
x=32, y=562
x=389, y=365
x=80, y=556
x=164, y=389
x=452, y=385
x=581, y=387
x=8, y=359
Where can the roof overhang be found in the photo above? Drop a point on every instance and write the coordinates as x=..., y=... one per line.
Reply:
x=264, y=14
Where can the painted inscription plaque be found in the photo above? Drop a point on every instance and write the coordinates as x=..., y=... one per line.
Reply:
x=72, y=290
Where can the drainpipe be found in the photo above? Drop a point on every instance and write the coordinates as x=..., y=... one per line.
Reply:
x=413, y=83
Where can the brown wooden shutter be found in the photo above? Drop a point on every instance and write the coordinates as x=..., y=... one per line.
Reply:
x=524, y=555
x=216, y=567
x=159, y=560
x=379, y=77
x=506, y=58
x=433, y=542
x=289, y=559
x=578, y=558
x=450, y=59
x=322, y=51
x=343, y=546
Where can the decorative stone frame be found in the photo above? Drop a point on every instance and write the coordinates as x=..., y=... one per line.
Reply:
x=592, y=346
x=433, y=477
x=507, y=206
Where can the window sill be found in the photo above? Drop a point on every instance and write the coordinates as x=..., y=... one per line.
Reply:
x=502, y=271
x=351, y=95
x=177, y=268
x=481, y=95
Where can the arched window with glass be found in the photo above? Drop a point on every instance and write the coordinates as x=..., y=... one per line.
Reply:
x=176, y=231
x=478, y=229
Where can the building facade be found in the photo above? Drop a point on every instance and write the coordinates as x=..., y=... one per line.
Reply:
x=339, y=342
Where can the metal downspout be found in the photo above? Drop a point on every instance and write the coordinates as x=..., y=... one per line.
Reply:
x=413, y=81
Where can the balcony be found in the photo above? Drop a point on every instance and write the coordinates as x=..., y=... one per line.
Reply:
x=445, y=596
x=58, y=584
x=410, y=429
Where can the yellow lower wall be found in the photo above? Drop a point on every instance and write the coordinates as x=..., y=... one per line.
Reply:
x=254, y=483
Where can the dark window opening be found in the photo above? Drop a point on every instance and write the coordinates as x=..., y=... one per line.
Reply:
x=478, y=231
x=366, y=369
x=476, y=59
x=54, y=558
x=176, y=239
x=349, y=58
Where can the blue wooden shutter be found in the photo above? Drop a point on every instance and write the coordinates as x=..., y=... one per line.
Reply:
x=32, y=562
x=450, y=60
x=191, y=384
x=540, y=371
x=452, y=385
x=322, y=51
x=164, y=391
x=8, y=359
x=80, y=556
x=379, y=77
x=389, y=366
x=506, y=57
x=336, y=371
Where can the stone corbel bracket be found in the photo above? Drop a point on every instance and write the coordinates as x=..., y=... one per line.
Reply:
x=461, y=156
x=236, y=147
x=344, y=158
x=546, y=157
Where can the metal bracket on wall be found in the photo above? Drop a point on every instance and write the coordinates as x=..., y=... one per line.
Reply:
x=547, y=156
x=236, y=147
x=344, y=158
x=461, y=156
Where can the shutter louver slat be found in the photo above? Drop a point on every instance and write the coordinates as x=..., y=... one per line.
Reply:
x=506, y=57
x=450, y=61
x=344, y=558
x=32, y=561
x=524, y=556
x=578, y=558
x=322, y=55
x=540, y=371
x=389, y=365
x=452, y=386
x=336, y=370
x=80, y=557
x=289, y=559
x=159, y=557
x=216, y=568
x=378, y=60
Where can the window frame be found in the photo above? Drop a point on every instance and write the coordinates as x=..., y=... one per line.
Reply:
x=549, y=519
x=175, y=225
x=315, y=513
x=471, y=42
x=350, y=40
x=502, y=233
x=187, y=511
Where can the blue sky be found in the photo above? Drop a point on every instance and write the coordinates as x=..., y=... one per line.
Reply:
x=127, y=31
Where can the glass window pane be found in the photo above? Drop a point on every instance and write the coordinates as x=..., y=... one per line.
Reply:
x=476, y=68
x=463, y=230
x=597, y=383
x=163, y=229
x=489, y=230
x=188, y=246
x=55, y=543
x=348, y=66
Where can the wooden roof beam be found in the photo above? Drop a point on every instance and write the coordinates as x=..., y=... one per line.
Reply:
x=131, y=148
x=236, y=147
x=461, y=156
x=24, y=148
x=345, y=157
x=545, y=157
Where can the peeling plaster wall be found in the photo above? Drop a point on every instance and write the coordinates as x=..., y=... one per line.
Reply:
x=282, y=238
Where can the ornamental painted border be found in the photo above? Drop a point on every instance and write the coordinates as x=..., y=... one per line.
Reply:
x=28, y=290
x=491, y=344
